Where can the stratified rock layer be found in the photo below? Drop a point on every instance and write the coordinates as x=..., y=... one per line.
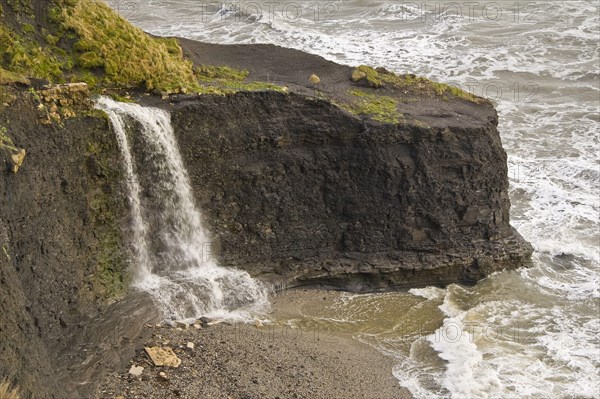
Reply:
x=300, y=192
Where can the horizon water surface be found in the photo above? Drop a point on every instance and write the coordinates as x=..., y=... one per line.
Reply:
x=531, y=333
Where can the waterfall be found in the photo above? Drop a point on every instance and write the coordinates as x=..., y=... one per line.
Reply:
x=172, y=250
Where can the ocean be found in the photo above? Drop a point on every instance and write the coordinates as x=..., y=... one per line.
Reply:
x=531, y=333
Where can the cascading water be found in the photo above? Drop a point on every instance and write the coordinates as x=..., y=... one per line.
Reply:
x=173, y=260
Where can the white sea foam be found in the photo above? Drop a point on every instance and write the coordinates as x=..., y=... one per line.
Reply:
x=430, y=293
x=504, y=349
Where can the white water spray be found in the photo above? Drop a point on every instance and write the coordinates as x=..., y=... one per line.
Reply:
x=171, y=246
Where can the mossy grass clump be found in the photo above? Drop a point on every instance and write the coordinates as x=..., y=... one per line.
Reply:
x=380, y=108
x=96, y=113
x=27, y=28
x=5, y=140
x=117, y=96
x=430, y=87
x=369, y=75
x=223, y=80
x=380, y=77
x=7, y=77
x=23, y=56
x=88, y=77
x=210, y=73
x=127, y=55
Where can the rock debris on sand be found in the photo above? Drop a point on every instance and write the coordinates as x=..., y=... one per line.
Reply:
x=243, y=361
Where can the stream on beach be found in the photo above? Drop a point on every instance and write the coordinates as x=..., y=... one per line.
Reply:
x=528, y=333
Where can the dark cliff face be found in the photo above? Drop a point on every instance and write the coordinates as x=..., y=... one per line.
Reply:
x=300, y=192
x=63, y=252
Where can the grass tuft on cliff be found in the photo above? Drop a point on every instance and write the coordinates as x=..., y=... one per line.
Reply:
x=23, y=56
x=223, y=79
x=85, y=40
x=210, y=73
x=370, y=75
x=128, y=56
x=380, y=108
x=381, y=77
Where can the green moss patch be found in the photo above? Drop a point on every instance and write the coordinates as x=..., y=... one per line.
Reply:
x=430, y=87
x=369, y=75
x=379, y=108
x=380, y=77
x=5, y=140
x=111, y=277
x=222, y=80
x=25, y=57
x=209, y=73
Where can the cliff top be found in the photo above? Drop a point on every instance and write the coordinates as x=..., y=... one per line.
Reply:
x=375, y=93
x=85, y=41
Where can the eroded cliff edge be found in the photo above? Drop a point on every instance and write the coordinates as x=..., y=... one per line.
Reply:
x=300, y=192
x=295, y=189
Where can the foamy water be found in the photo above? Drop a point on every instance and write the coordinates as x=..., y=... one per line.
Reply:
x=530, y=333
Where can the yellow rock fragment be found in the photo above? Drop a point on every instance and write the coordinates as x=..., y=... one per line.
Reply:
x=17, y=160
x=163, y=356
